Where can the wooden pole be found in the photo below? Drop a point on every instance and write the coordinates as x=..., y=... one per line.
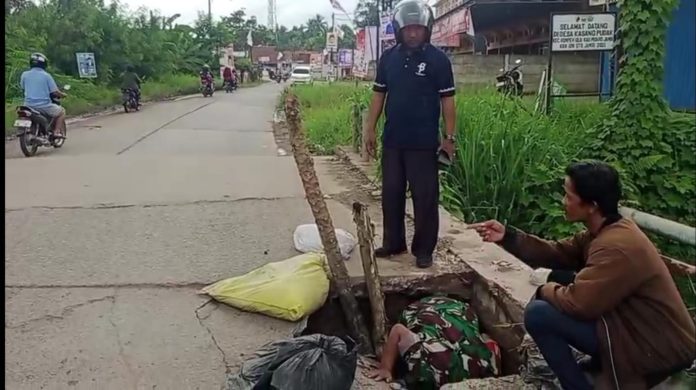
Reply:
x=374, y=287
x=357, y=128
x=365, y=156
x=339, y=273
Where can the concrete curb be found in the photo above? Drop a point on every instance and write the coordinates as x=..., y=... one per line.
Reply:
x=501, y=287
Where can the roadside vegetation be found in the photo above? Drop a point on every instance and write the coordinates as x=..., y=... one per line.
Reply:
x=167, y=54
x=510, y=161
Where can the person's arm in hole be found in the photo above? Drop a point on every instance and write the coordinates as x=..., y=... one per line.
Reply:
x=398, y=335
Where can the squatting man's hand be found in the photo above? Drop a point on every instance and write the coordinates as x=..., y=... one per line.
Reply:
x=490, y=231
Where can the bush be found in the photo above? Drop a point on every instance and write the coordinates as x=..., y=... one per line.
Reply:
x=86, y=96
x=510, y=161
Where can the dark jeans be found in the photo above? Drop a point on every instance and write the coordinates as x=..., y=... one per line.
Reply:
x=554, y=333
x=419, y=169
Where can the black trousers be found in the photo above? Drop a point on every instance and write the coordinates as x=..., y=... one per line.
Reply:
x=419, y=169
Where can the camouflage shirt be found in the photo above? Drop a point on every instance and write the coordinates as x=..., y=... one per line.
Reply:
x=450, y=348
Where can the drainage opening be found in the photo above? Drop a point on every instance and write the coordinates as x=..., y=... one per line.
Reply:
x=329, y=319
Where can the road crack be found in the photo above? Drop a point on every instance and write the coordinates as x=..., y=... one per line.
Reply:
x=210, y=332
x=134, y=377
x=127, y=148
x=66, y=311
x=152, y=205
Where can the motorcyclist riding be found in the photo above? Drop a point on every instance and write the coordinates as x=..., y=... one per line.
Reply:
x=229, y=76
x=206, y=75
x=39, y=86
x=130, y=80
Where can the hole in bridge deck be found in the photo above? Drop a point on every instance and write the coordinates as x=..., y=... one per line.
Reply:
x=329, y=319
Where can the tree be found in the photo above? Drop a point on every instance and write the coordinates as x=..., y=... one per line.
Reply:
x=348, y=40
x=367, y=13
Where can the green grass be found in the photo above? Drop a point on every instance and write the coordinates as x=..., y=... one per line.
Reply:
x=326, y=112
x=510, y=161
x=86, y=97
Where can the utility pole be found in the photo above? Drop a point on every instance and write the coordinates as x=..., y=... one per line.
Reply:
x=331, y=54
x=215, y=48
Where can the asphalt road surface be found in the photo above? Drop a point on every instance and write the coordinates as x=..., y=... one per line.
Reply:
x=109, y=238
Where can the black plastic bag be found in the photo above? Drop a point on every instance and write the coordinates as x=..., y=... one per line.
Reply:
x=313, y=362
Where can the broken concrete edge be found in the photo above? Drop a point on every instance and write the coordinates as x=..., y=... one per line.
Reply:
x=451, y=283
x=498, y=296
x=111, y=111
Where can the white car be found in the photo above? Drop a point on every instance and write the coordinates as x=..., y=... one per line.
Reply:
x=301, y=75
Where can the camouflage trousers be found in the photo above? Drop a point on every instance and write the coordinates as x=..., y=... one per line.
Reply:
x=450, y=348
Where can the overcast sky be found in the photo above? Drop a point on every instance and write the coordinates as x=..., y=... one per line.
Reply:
x=289, y=12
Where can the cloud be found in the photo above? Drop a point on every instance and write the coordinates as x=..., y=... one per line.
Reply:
x=289, y=12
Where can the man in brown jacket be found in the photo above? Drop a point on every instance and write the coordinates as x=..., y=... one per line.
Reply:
x=623, y=307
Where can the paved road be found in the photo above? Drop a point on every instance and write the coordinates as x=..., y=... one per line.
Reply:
x=109, y=238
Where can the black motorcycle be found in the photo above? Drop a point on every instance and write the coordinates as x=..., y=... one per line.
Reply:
x=230, y=86
x=130, y=99
x=207, y=88
x=35, y=129
x=510, y=82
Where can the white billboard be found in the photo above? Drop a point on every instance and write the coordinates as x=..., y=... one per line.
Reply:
x=86, y=65
x=583, y=32
x=596, y=3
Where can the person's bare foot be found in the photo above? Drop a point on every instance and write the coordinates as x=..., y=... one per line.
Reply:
x=381, y=374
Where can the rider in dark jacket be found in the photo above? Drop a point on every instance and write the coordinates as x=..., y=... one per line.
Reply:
x=130, y=80
x=206, y=75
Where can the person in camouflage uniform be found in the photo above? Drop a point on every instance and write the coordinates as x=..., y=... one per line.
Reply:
x=439, y=340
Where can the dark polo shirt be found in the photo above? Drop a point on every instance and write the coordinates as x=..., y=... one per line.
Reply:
x=414, y=83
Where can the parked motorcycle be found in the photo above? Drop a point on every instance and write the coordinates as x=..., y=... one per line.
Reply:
x=35, y=129
x=510, y=82
x=130, y=99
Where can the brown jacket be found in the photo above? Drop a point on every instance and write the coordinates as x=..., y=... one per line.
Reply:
x=625, y=286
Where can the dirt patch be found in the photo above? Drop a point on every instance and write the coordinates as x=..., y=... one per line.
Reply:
x=280, y=132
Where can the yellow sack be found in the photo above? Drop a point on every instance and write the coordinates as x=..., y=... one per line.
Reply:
x=289, y=289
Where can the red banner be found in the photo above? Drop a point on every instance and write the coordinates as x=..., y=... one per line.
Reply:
x=446, y=30
x=360, y=39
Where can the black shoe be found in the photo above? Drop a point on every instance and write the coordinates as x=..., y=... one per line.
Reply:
x=424, y=261
x=384, y=252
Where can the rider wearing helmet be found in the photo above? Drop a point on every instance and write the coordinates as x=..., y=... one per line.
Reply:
x=206, y=75
x=415, y=78
x=130, y=80
x=228, y=76
x=38, y=86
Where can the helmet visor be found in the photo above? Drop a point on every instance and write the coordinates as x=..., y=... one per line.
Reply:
x=413, y=13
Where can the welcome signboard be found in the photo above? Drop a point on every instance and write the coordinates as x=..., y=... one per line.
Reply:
x=583, y=32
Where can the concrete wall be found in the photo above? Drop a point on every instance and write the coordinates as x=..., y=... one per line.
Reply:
x=578, y=73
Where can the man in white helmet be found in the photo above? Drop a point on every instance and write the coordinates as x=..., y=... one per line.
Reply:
x=415, y=79
x=38, y=86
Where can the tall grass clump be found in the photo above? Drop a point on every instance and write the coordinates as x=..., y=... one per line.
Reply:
x=327, y=113
x=510, y=161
